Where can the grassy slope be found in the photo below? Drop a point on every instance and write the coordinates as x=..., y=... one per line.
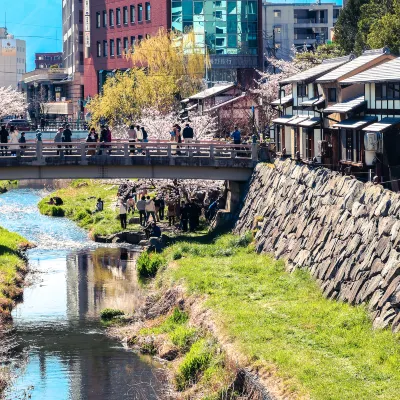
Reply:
x=281, y=321
x=4, y=185
x=12, y=267
x=79, y=202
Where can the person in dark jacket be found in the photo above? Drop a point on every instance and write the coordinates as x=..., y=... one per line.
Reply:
x=22, y=140
x=3, y=139
x=67, y=138
x=188, y=134
x=103, y=139
x=185, y=215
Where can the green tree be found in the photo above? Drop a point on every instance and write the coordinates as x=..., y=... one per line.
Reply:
x=346, y=28
x=323, y=52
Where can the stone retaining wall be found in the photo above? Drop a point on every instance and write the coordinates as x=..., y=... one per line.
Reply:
x=345, y=232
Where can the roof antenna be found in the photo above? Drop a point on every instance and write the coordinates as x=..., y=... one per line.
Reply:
x=5, y=23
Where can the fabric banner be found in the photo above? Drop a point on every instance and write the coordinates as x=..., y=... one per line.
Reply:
x=8, y=47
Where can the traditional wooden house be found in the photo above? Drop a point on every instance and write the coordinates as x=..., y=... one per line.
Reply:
x=302, y=111
x=345, y=114
x=381, y=139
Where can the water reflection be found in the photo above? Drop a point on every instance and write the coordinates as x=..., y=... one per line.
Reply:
x=57, y=325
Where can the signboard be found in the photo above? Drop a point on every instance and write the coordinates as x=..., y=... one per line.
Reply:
x=87, y=23
x=8, y=47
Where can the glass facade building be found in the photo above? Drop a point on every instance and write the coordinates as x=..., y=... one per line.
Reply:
x=226, y=27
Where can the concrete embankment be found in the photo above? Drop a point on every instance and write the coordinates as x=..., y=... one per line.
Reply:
x=345, y=232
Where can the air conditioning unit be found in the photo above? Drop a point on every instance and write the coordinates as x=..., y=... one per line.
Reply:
x=372, y=144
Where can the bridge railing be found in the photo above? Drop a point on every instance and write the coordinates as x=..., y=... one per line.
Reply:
x=84, y=151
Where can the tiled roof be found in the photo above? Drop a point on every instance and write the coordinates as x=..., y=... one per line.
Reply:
x=283, y=101
x=382, y=125
x=358, y=123
x=313, y=73
x=315, y=101
x=212, y=91
x=387, y=72
x=346, y=106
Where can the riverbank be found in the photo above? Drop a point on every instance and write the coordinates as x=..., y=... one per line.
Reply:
x=79, y=204
x=244, y=311
x=12, y=272
x=5, y=185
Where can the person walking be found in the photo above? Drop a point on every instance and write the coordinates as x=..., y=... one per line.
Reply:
x=4, y=139
x=185, y=214
x=122, y=213
x=236, y=136
x=131, y=205
x=141, y=206
x=67, y=138
x=58, y=138
x=150, y=209
x=132, y=138
x=144, y=134
x=42, y=124
x=188, y=134
x=22, y=141
x=13, y=141
x=171, y=212
x=178, y=138
x=157, y=204
x=92, y=138
x=162, y=208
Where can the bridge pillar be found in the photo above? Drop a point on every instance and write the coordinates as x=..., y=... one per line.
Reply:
x=233, y=198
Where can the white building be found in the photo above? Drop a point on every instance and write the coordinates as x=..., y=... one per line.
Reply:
x=12, y=59
x=297, y=24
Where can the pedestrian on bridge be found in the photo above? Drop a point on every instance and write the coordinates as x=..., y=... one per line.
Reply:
x=236, y=136
x=67, y=138
x=188, y=134
x=3, y=139
x=132, y=138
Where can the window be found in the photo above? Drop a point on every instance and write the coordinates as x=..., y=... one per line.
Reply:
x=80, y=16
x=277, y=13
x=111, y=22
x=278, y=29
x=80, y=37
x=98, y=20
x=140, y=13
x=98, y=49
x=126, y=44
x=148, y=11
x=301, y=90
x=309, y=143
x=125, y=15
x=112, y=50
x=332, y=95
x=133, y=15
x=387, y=91
x=119, y=50
x=133, y=40
x=118, y=16
x=349, y=144
x=140, y=38
x=105, y=48
x=104, y=19
x=81, y=60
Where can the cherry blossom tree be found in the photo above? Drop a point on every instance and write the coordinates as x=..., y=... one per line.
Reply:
x=11, y=102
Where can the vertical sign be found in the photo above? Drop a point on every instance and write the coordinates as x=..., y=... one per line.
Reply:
x=87, y=23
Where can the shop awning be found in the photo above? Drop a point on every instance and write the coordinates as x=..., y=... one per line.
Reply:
x=358, y=123
x=309, y=123
x=283, y=120
x=346, y=106
x=315, y=101
x=283, y=101
x=383, y=125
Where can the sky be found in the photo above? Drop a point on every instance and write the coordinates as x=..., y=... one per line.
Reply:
x=38, y=22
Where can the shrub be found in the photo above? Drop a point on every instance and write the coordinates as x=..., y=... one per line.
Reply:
x=149, y=264
x=177, y=255
x=178, y=316
x=195, y=362
x=56, y=211
x=110, y=313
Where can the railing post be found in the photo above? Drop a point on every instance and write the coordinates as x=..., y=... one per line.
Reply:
x=126, y=151
x=83, y=153
x=39, y=151
x=169, y=150
x=254, y=152
x=212, y=152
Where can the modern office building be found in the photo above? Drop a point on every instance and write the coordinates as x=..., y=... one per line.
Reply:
x=12, y=59
x=48, y=60
x=111, y=29
x=73, y=55
x=301, y=25
x=231, y=30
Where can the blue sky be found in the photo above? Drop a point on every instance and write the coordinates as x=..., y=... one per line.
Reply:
x=27, y=19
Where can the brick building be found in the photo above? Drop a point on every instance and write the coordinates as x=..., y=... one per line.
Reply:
x=113, y=27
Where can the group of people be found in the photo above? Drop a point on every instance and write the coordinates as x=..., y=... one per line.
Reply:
x=11, y=140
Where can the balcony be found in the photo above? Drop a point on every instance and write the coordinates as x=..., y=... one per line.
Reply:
x=312, y=21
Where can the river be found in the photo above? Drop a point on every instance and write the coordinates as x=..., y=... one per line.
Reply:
x=62, y=350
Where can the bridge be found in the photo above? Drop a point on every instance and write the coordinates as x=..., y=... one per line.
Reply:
x=121, y=159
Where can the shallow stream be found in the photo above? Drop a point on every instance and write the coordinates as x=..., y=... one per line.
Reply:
x=62, y=350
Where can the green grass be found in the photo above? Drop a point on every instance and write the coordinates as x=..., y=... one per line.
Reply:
x=11, y=267
x=5, y=185
x=79, y=203
x=147, y=265
x=319, y=348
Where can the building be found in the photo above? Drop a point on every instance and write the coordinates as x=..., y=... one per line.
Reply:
x=48, y=60
x=231, y=31
x=12, y=59
x=111, y=29
x=73, y=55
x=301, y=25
